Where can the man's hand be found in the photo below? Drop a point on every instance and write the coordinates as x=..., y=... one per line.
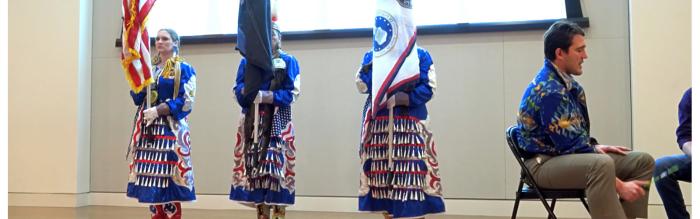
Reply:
x=688, y=148
x=632, y=190
x=604, y=149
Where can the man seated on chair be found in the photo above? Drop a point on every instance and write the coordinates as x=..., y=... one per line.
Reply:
x=554, y=133
x=674, y=168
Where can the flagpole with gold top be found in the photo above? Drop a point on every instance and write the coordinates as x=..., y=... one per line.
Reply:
x=135, y=55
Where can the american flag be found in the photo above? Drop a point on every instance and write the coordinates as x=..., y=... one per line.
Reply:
x=136, y=59
x=136, y=131
x=282, y=124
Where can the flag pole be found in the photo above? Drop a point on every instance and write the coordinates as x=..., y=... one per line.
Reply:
x=256, y=121
x=148, y=96
x=390, y=137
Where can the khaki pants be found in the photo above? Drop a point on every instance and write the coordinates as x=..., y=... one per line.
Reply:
x=596, y=174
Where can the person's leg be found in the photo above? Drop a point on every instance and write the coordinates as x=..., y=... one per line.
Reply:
x=634, y=166
x=173, y=210
x=279, y=211
x=668, y=171
x=386, y=215
x=157, y=212
x=263, y=211
x=593, y=172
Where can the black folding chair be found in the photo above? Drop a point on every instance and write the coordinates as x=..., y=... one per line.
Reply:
x=528, y=189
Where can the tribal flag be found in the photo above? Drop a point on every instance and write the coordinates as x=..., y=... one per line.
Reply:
x=395, y=59
x=136, y=59
x=253, y=42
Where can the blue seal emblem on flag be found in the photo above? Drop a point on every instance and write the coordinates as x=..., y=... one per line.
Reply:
x=384, y=33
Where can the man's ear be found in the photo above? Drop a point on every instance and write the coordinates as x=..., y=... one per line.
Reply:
x=559, y=52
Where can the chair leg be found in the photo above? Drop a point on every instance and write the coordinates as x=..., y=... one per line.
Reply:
x=517, y=200
x=515, y=207
x=585, y=204
x=551, y=215
x=544, y=202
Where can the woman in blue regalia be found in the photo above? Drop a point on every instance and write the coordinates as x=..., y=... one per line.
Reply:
x=412, y=188
x=160, y=171
x=263, y=171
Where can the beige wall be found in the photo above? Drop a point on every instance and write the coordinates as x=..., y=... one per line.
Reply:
x=660, y=60
x=49, y=96
x=481, y=78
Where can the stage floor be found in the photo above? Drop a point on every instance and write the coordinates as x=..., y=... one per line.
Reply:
x=109, y=212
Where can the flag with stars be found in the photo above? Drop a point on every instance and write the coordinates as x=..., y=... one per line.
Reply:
x=282, y=124
x=395, y=60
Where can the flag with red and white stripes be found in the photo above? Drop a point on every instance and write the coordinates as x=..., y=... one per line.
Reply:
x=288, y=132
x=136, y=59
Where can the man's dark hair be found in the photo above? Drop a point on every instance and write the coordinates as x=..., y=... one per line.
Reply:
x=560, y=35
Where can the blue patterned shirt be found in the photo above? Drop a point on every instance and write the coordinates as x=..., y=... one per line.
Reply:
x=553, y=117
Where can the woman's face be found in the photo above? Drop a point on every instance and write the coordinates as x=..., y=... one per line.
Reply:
x=276, y=40
x=164, y=43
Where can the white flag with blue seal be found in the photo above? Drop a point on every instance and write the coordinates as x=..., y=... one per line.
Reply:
x=395, y=59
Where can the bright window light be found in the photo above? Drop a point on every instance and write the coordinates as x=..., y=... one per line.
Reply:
x=207, y=17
